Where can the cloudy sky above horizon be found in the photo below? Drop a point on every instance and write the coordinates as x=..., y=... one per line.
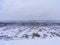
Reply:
x=29, y=9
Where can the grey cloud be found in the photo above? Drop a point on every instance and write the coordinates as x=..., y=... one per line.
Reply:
x=30, y=9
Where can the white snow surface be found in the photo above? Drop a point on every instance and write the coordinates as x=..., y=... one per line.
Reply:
x=47, y=41
x=28, y=32
x=49, y=35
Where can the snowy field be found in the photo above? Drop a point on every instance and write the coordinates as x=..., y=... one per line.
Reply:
x=17, y=32
x=47, y=41
x=29, y=35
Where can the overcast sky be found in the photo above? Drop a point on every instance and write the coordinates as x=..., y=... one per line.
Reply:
x=29, y=9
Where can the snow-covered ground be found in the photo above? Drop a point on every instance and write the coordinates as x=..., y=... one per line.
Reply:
x=18, y=32
x=47, y=41
x=29, y=35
